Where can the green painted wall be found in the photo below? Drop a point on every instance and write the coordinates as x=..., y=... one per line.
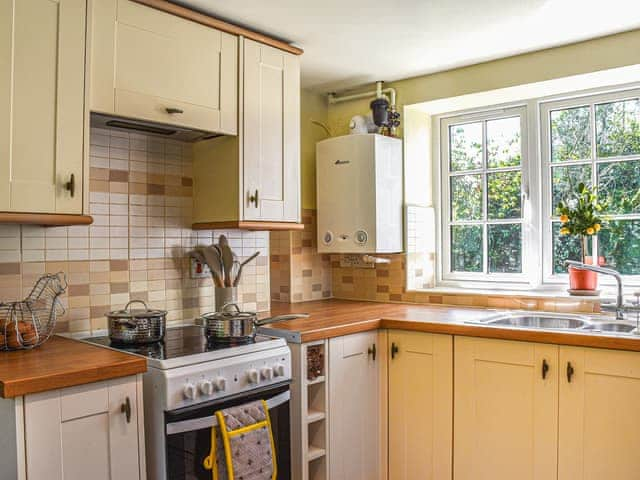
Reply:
x=313, y=106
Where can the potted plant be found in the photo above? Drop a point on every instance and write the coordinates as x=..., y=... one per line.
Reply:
x=580, y=216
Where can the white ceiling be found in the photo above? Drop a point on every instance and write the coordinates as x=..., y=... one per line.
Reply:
x=348, y=43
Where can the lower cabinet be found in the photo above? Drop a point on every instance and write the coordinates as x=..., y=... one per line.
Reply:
x=420, y=405
x=438, y=407
x=90, y=431
x=506, y=410
x=355, y=414
x=599, y=421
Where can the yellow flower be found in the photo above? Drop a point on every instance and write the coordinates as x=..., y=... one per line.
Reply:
x=597, y=227
x=564, y=231
x=564, y=218
x=591, y=231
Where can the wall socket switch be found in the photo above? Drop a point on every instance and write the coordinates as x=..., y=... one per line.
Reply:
x=198, y=269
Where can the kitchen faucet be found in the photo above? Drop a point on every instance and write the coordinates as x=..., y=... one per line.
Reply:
x=619, y=306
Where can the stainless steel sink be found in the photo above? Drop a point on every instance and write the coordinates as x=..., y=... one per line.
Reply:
x=614, y=327
x=543, y=321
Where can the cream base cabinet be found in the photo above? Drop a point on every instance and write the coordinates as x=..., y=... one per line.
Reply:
x=355, y=407
x=599, y=426
x=90, y=431
x=151, y=65
x=420, y=405
x=505, y=410
x=42, y=85
x=254, y=177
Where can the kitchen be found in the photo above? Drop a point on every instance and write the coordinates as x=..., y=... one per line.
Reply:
x=234, y=246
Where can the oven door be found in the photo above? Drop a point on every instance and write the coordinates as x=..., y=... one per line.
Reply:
x=188, y=432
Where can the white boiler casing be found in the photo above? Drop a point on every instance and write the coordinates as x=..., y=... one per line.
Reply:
x=359, y=194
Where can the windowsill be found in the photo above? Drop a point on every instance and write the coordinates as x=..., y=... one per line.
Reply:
x=560, y=293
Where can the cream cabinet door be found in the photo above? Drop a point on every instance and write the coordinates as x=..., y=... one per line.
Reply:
x=84, y=432
x=420, y=406
x=271, y=145
x=42, y=55
x=505, y=410
x=354, y=407
x=151, y=65
x=599, y=426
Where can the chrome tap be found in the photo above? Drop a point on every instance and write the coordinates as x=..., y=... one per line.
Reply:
x=619, y=306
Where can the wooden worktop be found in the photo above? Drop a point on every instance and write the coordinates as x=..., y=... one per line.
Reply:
x=62, y=362
x=333, y=318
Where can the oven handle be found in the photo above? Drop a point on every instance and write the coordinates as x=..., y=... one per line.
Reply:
x=212, y=421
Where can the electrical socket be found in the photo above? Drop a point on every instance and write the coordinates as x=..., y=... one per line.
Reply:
x=199, y=270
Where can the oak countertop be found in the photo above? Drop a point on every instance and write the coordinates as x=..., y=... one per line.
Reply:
x=62, y=362
x=333, y=318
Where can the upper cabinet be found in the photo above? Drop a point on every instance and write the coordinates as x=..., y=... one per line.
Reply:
x=151, y=65
x=42, y=85
x=253, y=181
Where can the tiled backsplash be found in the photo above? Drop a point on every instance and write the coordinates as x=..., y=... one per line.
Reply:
x=298, y=272
x=137, y=248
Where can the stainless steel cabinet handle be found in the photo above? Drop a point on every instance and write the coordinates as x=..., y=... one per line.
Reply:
x=254, y=199
x=126, y=409
x=173, y=110
x=71, y=185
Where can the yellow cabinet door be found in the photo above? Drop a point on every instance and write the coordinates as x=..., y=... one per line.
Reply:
x=271, y=145
x=151, y=65
x=42, y=54
x=599, y=421
x=420, y=406
x=505, y=410
x=355, y=409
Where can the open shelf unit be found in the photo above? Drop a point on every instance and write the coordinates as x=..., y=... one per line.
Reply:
x=309, y=402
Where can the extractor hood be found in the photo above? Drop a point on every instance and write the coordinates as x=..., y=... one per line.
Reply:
x=173, y=132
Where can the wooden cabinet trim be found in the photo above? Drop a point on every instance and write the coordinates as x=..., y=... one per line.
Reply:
x=45, y=219
x=213, y=22
x=242, y=225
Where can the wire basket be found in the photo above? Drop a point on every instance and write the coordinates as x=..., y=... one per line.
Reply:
x=30, y=322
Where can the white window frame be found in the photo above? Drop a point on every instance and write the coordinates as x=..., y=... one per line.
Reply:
x=447, y=277
x=546, y=107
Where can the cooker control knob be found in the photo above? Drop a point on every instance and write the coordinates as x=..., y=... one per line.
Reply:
x=252, y=375
x=206, y=387
x=266, y=373
x=189, y=391
x=220, y=384
x=278, y=370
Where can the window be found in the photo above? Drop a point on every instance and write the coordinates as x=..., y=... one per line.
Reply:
x=483, y=162
x=595, y=140
x=490, y=232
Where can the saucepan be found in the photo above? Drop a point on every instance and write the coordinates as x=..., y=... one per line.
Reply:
x=233, y=325
x=136, y=326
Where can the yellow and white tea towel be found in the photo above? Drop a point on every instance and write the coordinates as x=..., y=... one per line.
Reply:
x=242, y=445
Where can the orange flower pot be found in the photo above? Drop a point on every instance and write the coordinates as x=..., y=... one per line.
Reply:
x=582, y=279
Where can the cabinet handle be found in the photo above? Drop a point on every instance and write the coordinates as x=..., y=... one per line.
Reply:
x=173, y=110
x=126, y=409
x=71, y=185
x=254, y=198
x=372, y=351
x=545, y=368
x=570, y=372
x=394, y=350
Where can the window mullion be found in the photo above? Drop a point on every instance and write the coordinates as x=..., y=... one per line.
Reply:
x=485, y=199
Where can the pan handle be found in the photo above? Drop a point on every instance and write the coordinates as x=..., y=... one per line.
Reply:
x=280, y=318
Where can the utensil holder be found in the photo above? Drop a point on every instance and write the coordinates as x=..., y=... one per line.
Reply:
x=224, y=295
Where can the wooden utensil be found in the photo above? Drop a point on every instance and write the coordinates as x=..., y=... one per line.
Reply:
x=212, y=259
x=227, y=259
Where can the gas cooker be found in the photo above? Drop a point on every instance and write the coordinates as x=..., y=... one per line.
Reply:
x=185, y=369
